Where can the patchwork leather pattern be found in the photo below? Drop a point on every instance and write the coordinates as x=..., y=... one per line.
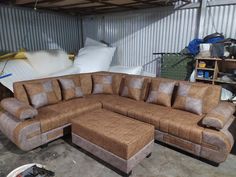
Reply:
x=41, y=93
x=102, y=84
x=176, y=122
x=212, y=96
x=18, y=109
x=132, y=87
x=113, y=132
x=25, y=134
x=190, y=98
x=161, y=92
x=57, y=115
x=218, y=117
x=71, y=88
x=120, y=104
x=178, y=128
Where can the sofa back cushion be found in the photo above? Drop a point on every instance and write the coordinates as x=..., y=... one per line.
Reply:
x=42, y=93
x=134, y=87
x=161, y=91
x=71, y=88
x=117, y=79
x=102, y=83
x=20, y=91
x=190, y=98
x=211, y=98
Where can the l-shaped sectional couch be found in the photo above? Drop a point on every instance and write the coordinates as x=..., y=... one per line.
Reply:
x=189, y=116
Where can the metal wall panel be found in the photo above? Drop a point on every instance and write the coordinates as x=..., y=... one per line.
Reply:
x=36, y=30
x=138, y=34
x=221, y=19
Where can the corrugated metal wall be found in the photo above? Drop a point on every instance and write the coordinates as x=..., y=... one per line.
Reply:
x=138, y=34
x=35, y=30
x=222, y=19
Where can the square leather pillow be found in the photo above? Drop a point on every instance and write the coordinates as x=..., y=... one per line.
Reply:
x=161, y=92
x=132, y=87
x=190, y=98
x=71, y=88
x=42, y=93
x=102, y=84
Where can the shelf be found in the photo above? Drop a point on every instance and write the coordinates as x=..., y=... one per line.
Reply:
x=217, y=59
x=224, y=82
x=208, y=69
x=204, y=79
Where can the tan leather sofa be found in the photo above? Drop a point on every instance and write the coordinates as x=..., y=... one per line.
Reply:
x=176, y=127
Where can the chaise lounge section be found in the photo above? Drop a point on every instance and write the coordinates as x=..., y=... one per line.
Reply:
x=185, y=115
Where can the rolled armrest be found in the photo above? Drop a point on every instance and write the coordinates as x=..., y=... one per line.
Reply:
x=25, y=134
x=18, y=109
x=216, y=145
x=219, y=116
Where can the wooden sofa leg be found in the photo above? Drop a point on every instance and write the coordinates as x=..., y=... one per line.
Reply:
x=149, y=155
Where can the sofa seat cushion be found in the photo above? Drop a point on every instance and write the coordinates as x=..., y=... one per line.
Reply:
x=149, y=113
x=120, y=104
x=113, y=132
x=57, y=115
x=176, y=122
x=100, y=97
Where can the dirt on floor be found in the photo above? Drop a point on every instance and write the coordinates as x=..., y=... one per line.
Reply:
x=67, y=160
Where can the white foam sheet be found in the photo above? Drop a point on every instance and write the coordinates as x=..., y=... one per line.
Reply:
x=68, y=71
x=20, y=70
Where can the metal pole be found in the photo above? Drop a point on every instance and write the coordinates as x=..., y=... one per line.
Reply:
x=202, y=16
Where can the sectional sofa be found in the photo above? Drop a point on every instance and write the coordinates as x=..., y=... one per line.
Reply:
x=185, y=115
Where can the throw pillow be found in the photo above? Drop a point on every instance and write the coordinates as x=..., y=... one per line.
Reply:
x=18, y=109
x=132, y=87
x=102, y=84
x=41, y=93
x=161, y=92
x=71, y=88
x=190, y=98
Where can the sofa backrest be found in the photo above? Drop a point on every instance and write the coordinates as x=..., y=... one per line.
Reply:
x=211, y=99
x=21, y=94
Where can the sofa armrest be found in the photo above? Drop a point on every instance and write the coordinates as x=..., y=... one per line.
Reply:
x=25, y=134
x=219, y=116
x=18, y=109
x=217, y=144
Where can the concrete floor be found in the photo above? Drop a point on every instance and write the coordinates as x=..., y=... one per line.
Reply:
x=69, y=161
